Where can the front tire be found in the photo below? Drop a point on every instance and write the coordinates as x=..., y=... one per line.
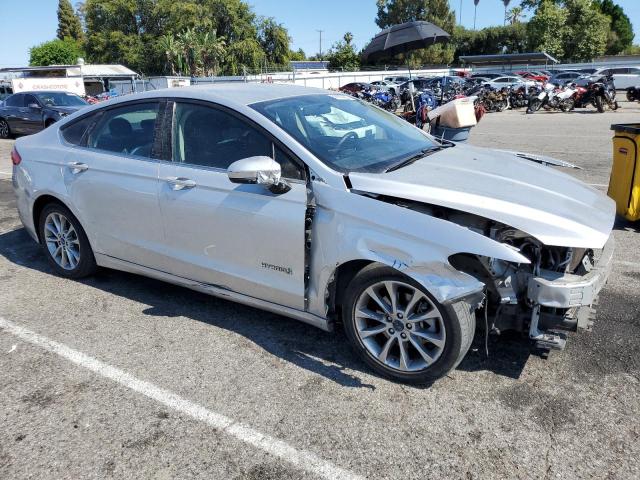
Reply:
x=400, y=330
x=65, y=242
x=599, y=103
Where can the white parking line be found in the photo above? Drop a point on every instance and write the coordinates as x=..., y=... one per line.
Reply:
x=299, y=458
x=627, y=264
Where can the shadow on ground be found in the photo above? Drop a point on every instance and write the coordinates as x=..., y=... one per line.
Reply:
x=623, y=224
x=326, y=354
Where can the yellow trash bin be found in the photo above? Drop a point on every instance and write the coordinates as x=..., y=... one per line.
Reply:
x=624, y=183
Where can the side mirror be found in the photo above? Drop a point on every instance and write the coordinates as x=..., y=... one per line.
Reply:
x=35, y=106
x=260, y=170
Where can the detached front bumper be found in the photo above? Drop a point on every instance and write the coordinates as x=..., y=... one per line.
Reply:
x=568, y=291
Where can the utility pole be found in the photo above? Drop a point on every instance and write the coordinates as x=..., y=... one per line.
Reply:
x=320, y=52
x=460, y=22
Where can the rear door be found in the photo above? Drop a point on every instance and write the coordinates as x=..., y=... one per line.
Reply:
x=240, y=237
x=112, y=178
x=11, y=112
x=31, y=114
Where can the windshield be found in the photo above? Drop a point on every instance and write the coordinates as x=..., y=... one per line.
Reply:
x=60, y=99
x=345, y=133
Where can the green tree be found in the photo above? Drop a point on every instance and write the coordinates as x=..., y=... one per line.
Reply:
x=587, y=30
x=490, y=40
x=570, y=30
x=343, y=55
x=275, y=41
x=298, y=55
x=68, y=22
x=55, y=52
x=134, y=32
x=392, y=12
x=621, y=33
x=547, y=29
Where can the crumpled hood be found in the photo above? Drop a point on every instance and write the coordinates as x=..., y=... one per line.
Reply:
x=552, y=206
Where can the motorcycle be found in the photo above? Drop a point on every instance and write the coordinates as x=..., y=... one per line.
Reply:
x=386, y=100
x=518, y=97
x=550, y=97
x=633, y=94
x=600, y=93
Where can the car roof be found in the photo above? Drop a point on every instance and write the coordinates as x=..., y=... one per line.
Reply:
x=240, y=93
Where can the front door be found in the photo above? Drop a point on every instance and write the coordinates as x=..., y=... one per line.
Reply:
x=240, y=237
x=113, y=181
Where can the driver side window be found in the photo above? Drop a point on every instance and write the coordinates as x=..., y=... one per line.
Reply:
x=211, y=137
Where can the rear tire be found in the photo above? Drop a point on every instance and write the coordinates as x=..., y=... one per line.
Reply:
x=436, y=337
x=5, y=131
x=65, y=243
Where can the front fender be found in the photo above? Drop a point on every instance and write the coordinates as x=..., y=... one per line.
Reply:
x=349, y=226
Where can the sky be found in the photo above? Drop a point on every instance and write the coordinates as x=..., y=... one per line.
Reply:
x=24, y=23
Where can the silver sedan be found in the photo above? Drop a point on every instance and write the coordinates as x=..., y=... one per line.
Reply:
x=323, y=208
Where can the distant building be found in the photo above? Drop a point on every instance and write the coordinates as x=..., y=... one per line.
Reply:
x=81, y=79
x=308, y=65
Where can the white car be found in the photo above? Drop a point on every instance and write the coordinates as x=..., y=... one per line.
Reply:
x=398, y=79
x=623, y=77
x=386, y=85
x=509, y=81
x=323, y=208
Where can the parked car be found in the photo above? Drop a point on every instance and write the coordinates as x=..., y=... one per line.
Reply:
x=490, y=75
x=29, y=112
x=535, y=76
x=321, y=207
x=623, y=77
x=356, y=87
x=386, y=85
x=5, y=91
x=397, y=79
x=562, y=78
x=510, y=81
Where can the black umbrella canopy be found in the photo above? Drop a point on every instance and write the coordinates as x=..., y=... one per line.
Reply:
x=404, y=38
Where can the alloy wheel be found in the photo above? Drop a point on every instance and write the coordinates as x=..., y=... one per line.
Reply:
x=4, y=129
x=399, y=326
x=62, y=241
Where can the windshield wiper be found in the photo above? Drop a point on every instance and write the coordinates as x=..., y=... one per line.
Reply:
x=415, y=157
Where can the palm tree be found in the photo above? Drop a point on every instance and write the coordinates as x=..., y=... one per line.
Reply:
x=211, y=49
x=514, y=15
x=506, y=5
x=171, y=50
x=348, y=38
x=188, y=42
x=475, y=12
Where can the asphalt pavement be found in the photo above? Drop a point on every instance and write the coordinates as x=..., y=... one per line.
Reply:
x=119, y=376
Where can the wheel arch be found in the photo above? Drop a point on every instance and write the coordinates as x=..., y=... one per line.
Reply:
x=46, y=199
x=444, y=282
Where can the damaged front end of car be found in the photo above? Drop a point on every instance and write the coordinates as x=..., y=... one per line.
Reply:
x=556, y=292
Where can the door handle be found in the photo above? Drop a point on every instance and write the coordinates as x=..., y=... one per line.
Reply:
x=180, y=183
x=77, y=167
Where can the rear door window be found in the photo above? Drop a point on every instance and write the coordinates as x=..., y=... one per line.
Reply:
x=127, y=129
x=74, y=132
x=15, y=101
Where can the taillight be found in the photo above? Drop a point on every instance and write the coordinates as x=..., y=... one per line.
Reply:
x=15, y=156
